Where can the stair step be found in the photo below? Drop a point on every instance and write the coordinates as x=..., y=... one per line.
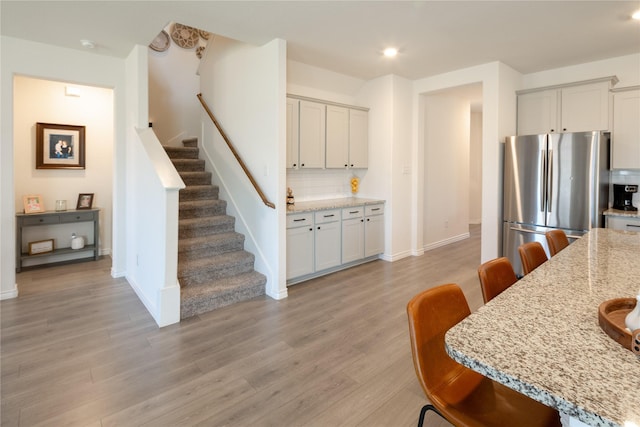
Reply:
x=202, y=271
x=208, y=246
x=187, y=165
x=220, y=293
x=182, y=152
x=202, y=208
x=194, y=227
x=196, y=178
x=199, y=192
x=190, y=142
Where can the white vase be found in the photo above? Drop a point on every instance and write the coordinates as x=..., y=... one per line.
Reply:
x=77, y=242
x=632, y=321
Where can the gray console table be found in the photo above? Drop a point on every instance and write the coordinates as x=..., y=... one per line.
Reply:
x=53, y=218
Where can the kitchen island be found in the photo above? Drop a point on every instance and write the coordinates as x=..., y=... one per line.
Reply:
x=542, y=338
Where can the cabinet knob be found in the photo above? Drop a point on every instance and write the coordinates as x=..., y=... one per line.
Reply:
x=41, y=220
x=552, y=130
x=564, y=130
x=302, y=165
x=362, y=220
x=294, y=165
x=368, y=219
x=311, y=229
x=345, y=165
x=352, y=165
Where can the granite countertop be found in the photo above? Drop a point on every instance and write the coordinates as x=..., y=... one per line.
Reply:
x=541, y=336
x=319, y=205
x=618, y=212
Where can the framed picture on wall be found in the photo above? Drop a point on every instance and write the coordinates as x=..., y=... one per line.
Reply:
x=59, y=146
x=85, y=201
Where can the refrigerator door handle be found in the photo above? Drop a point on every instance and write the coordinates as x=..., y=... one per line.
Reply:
x=550, y=183
x=543, y=179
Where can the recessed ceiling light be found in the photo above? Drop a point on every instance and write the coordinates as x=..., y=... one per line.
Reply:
x=390, y=52
x=87, y=44
x=636, y=15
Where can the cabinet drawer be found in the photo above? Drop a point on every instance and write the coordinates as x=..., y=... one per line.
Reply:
x=355, y=212
x=77, y=217
x=41, y=220
x=374, y=210
x=299, y=220
x=327, y=216
x=623, y=223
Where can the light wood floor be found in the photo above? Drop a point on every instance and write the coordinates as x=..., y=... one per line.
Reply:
x=78, y=348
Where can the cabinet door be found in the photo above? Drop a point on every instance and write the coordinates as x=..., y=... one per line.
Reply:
x=327, y=245
x=312, y=134
x=585, y=108
x=538, y=112
x=373, y=235
x=299, y=251
x=352, y=240
x=358, y=139
x=626, y=130
x=292, y=133
x=337, y=137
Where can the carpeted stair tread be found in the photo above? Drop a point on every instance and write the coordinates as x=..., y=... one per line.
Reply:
x=207, y=246
x=196, y=177
x=220, y=293
x=197, y=192
x=197, y=272
x=190, y=142
x=188, y=165
x=182, y=152
x=202, y=208
x=194, y=227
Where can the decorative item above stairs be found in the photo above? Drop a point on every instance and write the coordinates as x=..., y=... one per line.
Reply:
x=214, y=270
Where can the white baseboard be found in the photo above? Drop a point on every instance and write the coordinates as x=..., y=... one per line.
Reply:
x=278, y=295
x=13, y=293
x=445, y=242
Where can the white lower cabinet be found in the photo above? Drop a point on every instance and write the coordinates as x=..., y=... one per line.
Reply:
x=300, y=242
x=374, y=230
x=327, y=240
x=327, y=235
x=626, y=223
x=352, y=234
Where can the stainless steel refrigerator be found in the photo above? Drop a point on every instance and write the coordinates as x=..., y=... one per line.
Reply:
x=553, y=181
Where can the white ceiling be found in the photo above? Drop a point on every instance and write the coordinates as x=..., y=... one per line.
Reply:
x=348, y=36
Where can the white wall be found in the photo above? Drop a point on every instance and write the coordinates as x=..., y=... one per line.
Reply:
x=446, y=169
x=37, y=100
x=20, y=57
x=245, y=87
x=174, y=83
x=475, y=169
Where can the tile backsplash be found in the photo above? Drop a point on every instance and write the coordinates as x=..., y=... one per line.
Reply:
x=318, y=184
x=627, y=177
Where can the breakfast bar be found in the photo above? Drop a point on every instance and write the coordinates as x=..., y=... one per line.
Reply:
x=542, y=338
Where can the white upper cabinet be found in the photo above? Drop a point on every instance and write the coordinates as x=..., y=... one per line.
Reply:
x=312, y=134
x=337, y=137
x=358, y=138
x=293, y=137
x=626, y=130
x=585, y=108
x=571, y=108
x=329, y=135
x=537, y=112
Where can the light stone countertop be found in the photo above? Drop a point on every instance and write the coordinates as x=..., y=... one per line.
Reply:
x=319, y=205
x=541, y=337
x=618, y=212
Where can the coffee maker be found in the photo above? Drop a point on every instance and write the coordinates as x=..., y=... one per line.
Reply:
x=622, y=195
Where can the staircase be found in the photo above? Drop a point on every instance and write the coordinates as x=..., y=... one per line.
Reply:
x=214, y=270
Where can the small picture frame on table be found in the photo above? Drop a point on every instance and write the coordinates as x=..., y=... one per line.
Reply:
x=33, y=204
x=85, y=201
x=41, y=247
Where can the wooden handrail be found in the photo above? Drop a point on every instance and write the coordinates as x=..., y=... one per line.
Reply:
x=235, y=153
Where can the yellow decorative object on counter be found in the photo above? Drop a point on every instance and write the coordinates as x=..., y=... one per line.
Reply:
x=355, y=182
